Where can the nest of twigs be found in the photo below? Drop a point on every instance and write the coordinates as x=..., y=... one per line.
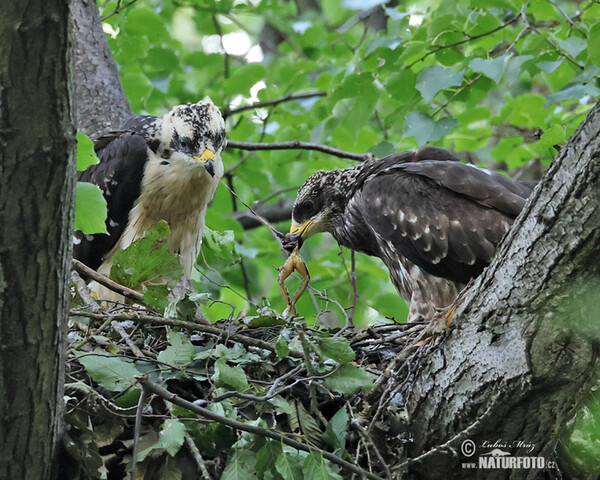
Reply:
x=190, y=400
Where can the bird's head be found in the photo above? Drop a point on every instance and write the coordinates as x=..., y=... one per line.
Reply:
x=194, y=132
x=320, y=203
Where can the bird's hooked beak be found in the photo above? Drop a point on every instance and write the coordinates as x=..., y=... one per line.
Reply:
x=299, y=232
x=207, y=159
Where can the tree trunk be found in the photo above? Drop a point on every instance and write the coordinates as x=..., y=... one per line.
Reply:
x=36, y=207
x=102, y=104
x=525, y=346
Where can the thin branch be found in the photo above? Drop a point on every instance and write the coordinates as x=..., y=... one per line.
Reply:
x=84, y=292
x=138, y=425
x=263, y=432
x=172, y=322
x=118, y=9
x=567, y=18
x=466, y=40
x=298, y=145
x=189, y=443
x=107, y=282
x=268, y=103
x=219, y=31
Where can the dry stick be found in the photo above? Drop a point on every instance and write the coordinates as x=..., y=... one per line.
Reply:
x=298, y=145
x=369, y=439
x=263, y=432
x=276, y=101
x=121, y=331
x=189, y=442
x=172, y=322
x=138, y=425
x=84, y=292
x=107, y=282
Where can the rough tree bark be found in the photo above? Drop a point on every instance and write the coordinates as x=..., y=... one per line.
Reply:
x=522, y=355
x=36, y=207
x=525, y=348
x=103, y=104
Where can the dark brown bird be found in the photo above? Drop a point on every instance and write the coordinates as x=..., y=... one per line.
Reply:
x=433, y=221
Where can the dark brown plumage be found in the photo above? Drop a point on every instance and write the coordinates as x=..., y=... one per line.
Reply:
x=434, y=222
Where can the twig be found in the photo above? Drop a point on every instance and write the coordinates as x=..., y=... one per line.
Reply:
x=121, y=331
x=225, y=54
x=298, y=145
x=84, y=292
x=354, y=288
x=107, y=282
x=466, y=40
x=263, y=432
x=267, y=103
x=118, y=9
x=172, y=322
x=138, y=425
x=189, y=442
x=567, y=18
x=369, y=439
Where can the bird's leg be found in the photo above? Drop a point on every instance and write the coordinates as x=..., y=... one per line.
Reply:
x=293, y=263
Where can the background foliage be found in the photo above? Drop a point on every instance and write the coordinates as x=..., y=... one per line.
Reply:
x=499, y=82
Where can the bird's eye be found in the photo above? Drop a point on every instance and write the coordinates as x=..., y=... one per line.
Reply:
x=307, y=208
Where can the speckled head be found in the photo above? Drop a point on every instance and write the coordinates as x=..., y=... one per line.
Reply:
x=196, y=130
x=321, y=200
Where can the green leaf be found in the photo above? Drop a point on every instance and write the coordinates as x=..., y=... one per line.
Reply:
x=240, y=466
x=289, y=467
x=180, y=352
x=172, y=436
x=171, y=439
x=336, y=431
x=267, y=456
x=491, y=68
x=243, y=78
x=232, y=376
x=147, y=259
x=137, y=86
x=170, y=470
x=308, y=424
x=112, y=373
x=317, y=468
x=90, y=209
x=219, y=249
x=593, y=44
x=86, y=155
x=215, y=438
x=555, y=135
x=336, y=348
x=282, y=348
x=349, y=380
x=436, y=78
x=424, y=129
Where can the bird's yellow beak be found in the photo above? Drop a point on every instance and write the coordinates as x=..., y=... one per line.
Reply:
x=302, y=229
x=207, y=155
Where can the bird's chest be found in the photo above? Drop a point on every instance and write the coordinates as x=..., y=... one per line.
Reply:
x=177, y=194
x=173, y=197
